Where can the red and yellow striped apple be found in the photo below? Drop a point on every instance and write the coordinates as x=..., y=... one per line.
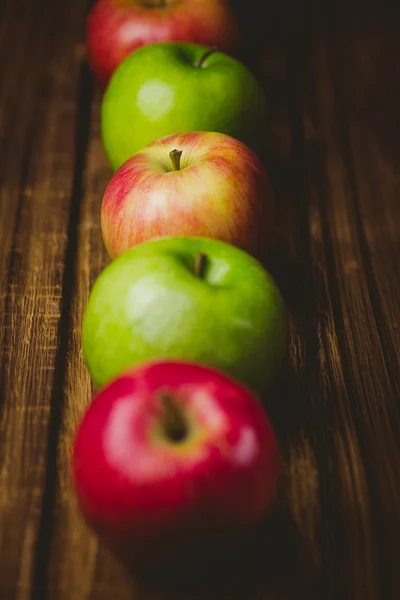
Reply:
x=115, y=28
x=203, y=184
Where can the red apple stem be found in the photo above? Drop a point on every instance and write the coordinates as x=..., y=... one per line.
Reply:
x=173, y=418
x=175, y=156
x=200, y=263
x=206, y=54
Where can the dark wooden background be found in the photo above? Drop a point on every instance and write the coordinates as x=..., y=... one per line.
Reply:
x=331, y=72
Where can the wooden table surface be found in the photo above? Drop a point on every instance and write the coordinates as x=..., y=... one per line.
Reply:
x=331, y=73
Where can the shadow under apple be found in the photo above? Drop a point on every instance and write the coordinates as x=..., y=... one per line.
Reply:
x=274, y=562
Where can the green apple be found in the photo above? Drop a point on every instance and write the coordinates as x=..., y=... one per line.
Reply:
x=173, y=87
x=192, y=298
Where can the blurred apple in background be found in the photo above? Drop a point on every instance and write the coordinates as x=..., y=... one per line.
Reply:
x=117, y=27
x=172, y=458
x=192, y=184
x=190, y=298
x=174, y=87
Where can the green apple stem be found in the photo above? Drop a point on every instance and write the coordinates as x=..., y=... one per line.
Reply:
x=175, y=156
x=207, y=53
x=173, y=418
x=200, y=264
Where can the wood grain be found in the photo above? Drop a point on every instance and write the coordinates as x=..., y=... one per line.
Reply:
x=73, y=568
x=37, y=132
x=332, y=150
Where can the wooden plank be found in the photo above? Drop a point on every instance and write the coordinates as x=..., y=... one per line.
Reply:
x=295, y=546
x=75, y=567
x=370, y=140
x=359, y=393
x=36, y=171
x=16, y=123
x=346, y=488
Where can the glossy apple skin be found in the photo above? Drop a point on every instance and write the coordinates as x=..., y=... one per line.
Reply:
x=148, y=304
x=159, y=89
x=117, y=27
x=150, y=498
x=222, y=191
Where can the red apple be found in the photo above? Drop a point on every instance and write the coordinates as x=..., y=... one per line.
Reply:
x=190, y=184
x=117, y=27
x=173, y=457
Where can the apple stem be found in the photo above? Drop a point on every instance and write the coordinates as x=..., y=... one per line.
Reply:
x=208, y=53
x=174, y=421
x=200, y=263
x=175, y=156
